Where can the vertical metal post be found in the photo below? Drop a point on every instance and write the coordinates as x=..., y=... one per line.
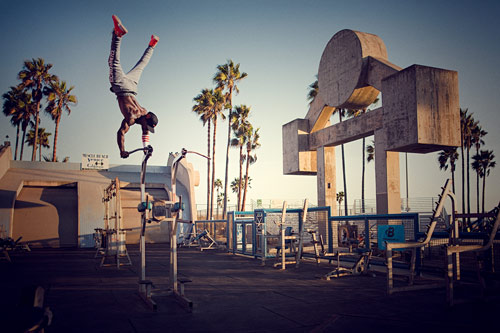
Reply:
x=390, y=283
x=367, y=234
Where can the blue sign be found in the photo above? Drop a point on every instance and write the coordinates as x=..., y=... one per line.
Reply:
x=390, y=234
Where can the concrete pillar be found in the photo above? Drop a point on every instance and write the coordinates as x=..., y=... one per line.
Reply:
x=386, y=177
x=326, y=185
x=326, y=189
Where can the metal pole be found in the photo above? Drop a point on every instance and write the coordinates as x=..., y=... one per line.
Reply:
x=406, y=165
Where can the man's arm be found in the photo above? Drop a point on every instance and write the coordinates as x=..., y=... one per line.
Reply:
x=120, y=137
x=145, y=132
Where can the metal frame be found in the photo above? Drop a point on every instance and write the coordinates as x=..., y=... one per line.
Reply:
x=453, y=271
x=175, y=206
x=417, y=245
x=115, y=245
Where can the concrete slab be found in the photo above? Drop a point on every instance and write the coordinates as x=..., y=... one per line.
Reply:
x=230, y=294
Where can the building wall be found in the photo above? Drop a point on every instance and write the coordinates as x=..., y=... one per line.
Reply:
x=21, y=177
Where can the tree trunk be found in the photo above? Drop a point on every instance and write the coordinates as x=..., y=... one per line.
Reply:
x=35, y=143
x=345, y=183
x=343, y=172
x=246, y=181
x=484, y=187
x=213, y=170
x=240, y=182
x=463, y=173
x=22, y=144
x=477, y=186
x=56, y=136
x=468, y=184
x=208, y=171
x=363, y=180
x=453, y=179
x=37, y=119
x=224, y=210
x=17, y=140
x=217, y=206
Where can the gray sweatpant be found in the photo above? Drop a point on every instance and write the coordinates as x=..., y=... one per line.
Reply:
x=121, y=83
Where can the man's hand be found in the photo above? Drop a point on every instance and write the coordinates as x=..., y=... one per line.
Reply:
x=124, y=154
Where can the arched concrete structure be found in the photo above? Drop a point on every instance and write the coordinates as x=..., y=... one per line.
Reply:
x=420, y=114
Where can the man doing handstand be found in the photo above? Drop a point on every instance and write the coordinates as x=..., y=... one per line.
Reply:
x=125, y=88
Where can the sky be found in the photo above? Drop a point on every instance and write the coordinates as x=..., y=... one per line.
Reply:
x=278, y=44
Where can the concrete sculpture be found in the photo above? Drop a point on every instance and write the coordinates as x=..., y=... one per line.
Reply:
x=419, y=114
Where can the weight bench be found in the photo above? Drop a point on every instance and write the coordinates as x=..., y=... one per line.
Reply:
x=205, y=235
x=454, y=250
x=360, y=267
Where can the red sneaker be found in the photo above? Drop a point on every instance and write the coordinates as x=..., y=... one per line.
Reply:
x=120, y=30
x=154, y=40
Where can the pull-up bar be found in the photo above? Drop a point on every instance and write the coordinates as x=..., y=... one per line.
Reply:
x=175, y=207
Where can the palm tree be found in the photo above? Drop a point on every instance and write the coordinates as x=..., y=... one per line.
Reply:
x=370, y=150
x=59, y=98
x=342, y=113
x=35, y=75
x=42, y=141
x=340, y=198
x=466, y=122
x=226, y=78
x=49, y=159
x=471, y=124
x=370, y=156
x=313, y=90
x=449, y=155
x=235, y=184
x=20, y=107
x=214, y=112
x=477, y=141
x=218, y=186
x=252, y=143
x=202, y=108
x=240, y=126
x=13, y=108
x=484, y=162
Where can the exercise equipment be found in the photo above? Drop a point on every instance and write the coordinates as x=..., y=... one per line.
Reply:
x=418, y=245
x=480, y=252
x=175, y=207
x=362, y=256
x=287, y=239
x=205, y=241
x=9, y=244
x=111, y=240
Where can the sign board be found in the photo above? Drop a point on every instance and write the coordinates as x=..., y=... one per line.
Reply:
x=390, y=234
x=95, y=162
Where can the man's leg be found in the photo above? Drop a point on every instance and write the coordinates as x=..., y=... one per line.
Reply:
x=116, y=74
x=136, y=72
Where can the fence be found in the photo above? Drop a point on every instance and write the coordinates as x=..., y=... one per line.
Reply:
x=256, y=233
x=414, y=205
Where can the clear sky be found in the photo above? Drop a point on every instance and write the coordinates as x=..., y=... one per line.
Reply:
x=279, y=45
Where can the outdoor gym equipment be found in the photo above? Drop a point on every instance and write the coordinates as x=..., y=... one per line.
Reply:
x=144, y=207
x=110, y=241
x=205, y=241
x=175, y=207
x=360, y=266
x=9, y=244
x=288, y=239
x=478, y=249
x=417, y=245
